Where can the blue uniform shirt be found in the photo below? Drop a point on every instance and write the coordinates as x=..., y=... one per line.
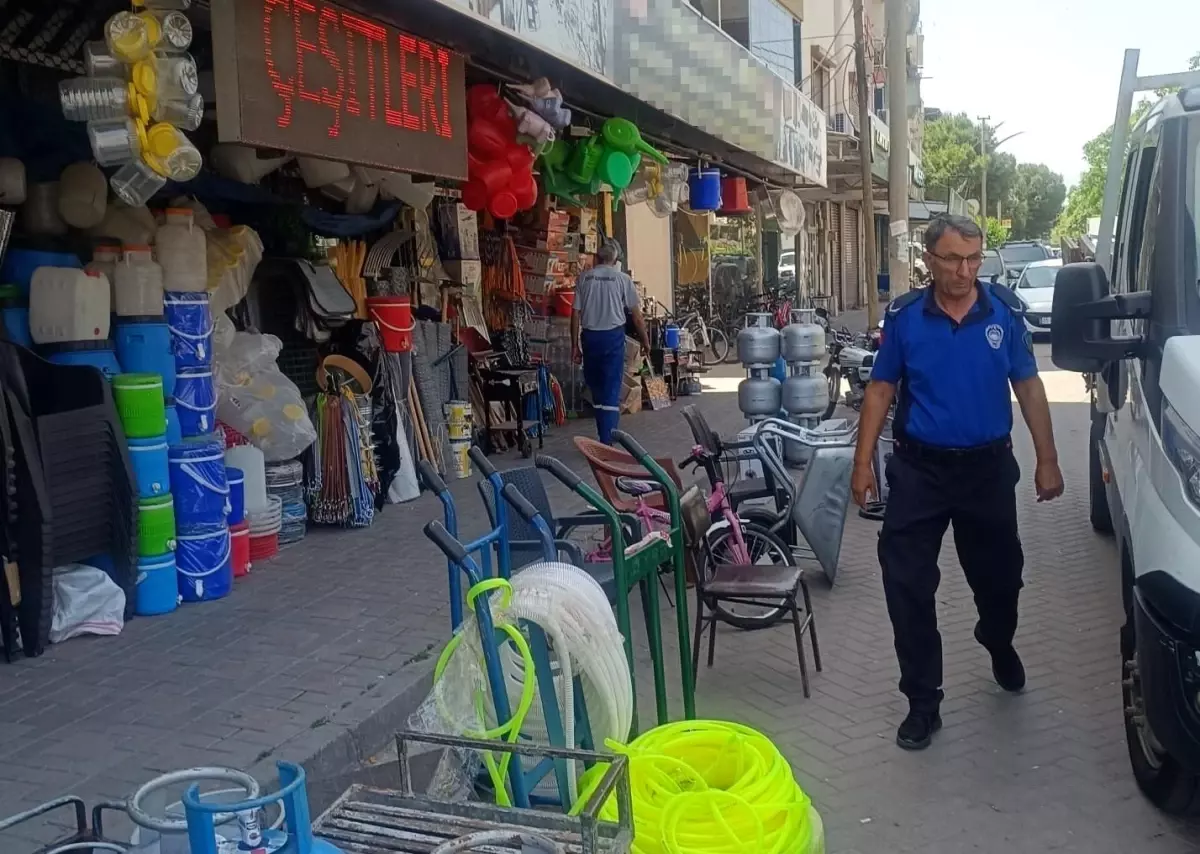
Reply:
x=954, y=378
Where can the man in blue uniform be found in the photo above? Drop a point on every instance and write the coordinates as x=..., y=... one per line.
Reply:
x=949, y=354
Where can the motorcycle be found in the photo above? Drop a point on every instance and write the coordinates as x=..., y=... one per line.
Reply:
x=851, y=358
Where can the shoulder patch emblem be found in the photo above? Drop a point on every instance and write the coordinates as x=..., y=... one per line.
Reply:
x=995, y=335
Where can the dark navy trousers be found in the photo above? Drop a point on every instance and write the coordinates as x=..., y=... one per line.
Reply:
x=929, y=490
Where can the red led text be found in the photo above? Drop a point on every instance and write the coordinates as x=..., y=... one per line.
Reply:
x=320, y=55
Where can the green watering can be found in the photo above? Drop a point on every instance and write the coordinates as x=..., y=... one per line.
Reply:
x=623, y=135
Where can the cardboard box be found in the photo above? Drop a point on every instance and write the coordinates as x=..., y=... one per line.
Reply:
x=551, y=241
x=469, y=274
x=591, y=243
x=468, y=233
x=542, y=262
x=544, y=220
x=631, y=399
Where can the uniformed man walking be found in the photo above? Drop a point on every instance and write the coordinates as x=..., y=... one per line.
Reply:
x=949, y=353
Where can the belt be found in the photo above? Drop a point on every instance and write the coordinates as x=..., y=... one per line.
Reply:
x=906, y=447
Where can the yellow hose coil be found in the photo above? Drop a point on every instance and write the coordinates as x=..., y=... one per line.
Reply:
x=711, y=787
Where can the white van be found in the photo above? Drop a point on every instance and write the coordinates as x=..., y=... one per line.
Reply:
x=1135, y=327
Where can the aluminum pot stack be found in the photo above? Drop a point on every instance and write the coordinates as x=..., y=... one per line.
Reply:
x=758, y=346
x=805, y=390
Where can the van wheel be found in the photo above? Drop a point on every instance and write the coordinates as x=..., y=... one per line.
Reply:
x=1097, y=497
x=1162, y=780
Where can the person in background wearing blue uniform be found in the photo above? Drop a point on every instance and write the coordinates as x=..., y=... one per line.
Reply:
x=603, y=295
x=949, y=354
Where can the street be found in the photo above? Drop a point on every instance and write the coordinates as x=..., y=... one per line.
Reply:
x=324, y=652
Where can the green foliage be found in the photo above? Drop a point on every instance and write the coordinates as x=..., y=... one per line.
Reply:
x=1087, y=197
x=1027, y=193
x=996, y=233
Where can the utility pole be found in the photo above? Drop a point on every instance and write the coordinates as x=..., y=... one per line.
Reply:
x=983, y=120
x=866, y=146
x=897, y=15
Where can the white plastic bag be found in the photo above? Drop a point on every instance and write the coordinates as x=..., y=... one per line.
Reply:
x=255, y=398
x=86, y=602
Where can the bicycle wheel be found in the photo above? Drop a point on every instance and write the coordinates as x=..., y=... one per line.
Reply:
x=718, y=344
x=764, y=548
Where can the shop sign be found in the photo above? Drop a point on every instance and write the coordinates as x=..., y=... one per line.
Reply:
x=314, y=78
x=579, y=31
x=801, y=135
x=881, y=135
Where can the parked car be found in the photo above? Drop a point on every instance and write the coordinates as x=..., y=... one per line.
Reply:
x=993, y=268
x=1035, y=288
x=1019, y=253
x=787, y=264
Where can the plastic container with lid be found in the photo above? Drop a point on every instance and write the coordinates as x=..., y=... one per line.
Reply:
x=84, y=99
x=104, y=259
x=182, y=252
x=132, y=36
x=115, y=141
x=68, y=305
x=171, y=154
x=135, y=183
x=98, y=61
x=138, y=287
x=177, y=30
x=183, y=113
x=165, y=75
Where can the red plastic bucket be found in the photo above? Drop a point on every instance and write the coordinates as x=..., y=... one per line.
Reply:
x=393, y=316
x=263, y=547
x=239, y=539
x=562, y=302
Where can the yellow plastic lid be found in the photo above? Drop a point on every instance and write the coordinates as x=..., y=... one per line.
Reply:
x=144, y=77
x=153, y=27
x=139, y=104
x=162, y=139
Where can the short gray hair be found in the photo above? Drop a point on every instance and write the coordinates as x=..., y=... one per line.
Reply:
x=960, y=225
x=610, y=252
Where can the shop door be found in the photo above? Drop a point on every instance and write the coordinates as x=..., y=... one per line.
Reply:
x=853, y=275
x=835, y=258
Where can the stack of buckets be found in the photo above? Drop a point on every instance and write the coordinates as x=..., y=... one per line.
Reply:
x=255, y=537
x=459, y=426
x=140, y=406
x=285, y=481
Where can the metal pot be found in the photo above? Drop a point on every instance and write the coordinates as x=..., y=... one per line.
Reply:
x=802, y=339
x=805, y=394
x=759, y=396
x=758, y=342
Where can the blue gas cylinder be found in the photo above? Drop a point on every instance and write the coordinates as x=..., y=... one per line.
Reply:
x=292, y=795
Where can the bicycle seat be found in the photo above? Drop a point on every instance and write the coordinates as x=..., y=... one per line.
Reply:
x=634, y=486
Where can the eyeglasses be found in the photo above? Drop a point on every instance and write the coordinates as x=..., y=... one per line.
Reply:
x=957, y=260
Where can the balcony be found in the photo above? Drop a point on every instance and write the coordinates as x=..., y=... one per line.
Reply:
x=673, y=58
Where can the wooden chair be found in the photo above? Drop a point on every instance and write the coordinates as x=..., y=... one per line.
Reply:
x=759, y=585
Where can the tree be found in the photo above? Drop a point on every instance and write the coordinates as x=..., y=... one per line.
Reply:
x=1028, y=194
x=997, y=234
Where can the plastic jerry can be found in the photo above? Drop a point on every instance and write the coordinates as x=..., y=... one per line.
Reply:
x=68, y=305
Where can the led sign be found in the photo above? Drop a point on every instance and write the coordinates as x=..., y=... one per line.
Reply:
x=315, y=78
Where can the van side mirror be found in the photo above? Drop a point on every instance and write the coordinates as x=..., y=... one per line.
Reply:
x=1081, y=336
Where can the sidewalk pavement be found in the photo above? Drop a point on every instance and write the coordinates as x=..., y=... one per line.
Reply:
x=319, y=655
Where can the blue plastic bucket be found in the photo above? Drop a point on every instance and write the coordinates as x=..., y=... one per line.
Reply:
x=174, y=432
x=204, y=562
x=150, y=468
x=196, y=401
x=237, y=494
x=191, y=326
x=671, y=336
x=95, y=354
x=198, y=482
x=19, y=265
x=144, y=347
x=704, y=186
x=157, y=586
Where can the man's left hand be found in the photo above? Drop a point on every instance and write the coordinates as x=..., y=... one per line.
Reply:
x=1048, y=481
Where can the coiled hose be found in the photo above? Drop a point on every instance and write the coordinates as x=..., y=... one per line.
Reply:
x=710, y=787
x=572, y=610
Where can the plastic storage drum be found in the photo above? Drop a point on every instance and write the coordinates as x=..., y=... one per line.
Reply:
x=196, y=401
x=149, y=458
x=140, y=406
x=174, y=432
x=93, y=354
x=144, y=347
x=157, y=586
x=204, y=562
x=191, y=326
x=236, y=479
x=156, y=526
x=198, y=482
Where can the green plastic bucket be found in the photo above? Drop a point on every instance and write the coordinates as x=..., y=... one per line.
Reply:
x=140, y=406
x=156, y=526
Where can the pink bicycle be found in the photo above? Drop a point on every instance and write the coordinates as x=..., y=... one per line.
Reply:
x=732, y=541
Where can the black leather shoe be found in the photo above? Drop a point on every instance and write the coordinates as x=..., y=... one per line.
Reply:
x=1006, y=666
x=917, y=731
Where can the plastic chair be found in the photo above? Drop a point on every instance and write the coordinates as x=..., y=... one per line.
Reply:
x=756, y=585
x=608, y=464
